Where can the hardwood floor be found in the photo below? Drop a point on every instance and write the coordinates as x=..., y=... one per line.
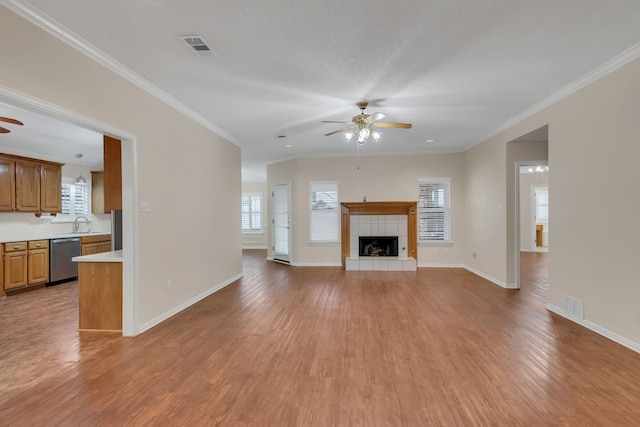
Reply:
x=289, y=346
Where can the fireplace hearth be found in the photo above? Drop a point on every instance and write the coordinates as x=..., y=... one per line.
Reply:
x=377, y=246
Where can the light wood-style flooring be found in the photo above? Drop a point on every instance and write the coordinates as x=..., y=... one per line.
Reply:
x=307, y=346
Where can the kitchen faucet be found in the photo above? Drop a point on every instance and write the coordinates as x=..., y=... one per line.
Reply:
x=76, y=224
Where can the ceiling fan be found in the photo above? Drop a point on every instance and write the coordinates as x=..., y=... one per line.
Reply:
x=364, y=125
x=9, y=120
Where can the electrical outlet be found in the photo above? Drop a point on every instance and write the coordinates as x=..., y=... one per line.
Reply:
x=475, y=254
x=169, y=284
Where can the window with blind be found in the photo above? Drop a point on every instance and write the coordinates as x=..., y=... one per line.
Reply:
x=252, y=213
x=75, y=199
x=433, y=210
x=324, y=212
x=542, y=204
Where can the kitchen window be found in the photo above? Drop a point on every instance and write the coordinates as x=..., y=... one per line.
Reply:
x=433, y=210
x=252, y=213
x=324, y=212
x=75, y=199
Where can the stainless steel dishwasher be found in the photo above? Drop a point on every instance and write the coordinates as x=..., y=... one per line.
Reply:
x=61, y=268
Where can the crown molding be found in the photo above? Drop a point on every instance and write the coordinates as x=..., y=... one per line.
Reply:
x=608, y=67
x=59, y=31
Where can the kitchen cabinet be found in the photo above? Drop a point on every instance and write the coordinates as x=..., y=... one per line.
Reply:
x=7, y=184
x=97, y=192
x=30, y=185
x=50, y=187
x=95, y=244
x=38, y=262
x=112, y=158
x=26, y=264
x=15, y=265
x=2, y=292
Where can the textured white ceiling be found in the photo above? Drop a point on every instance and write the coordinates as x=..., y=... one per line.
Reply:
x=457, y=70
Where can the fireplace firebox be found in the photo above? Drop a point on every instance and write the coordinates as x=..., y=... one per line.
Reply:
x=378, y=245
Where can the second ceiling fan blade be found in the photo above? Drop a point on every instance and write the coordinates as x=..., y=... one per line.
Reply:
x=375, y=117
x=394, y=125
x=12, y=121
x=3, y=130
x=337, y=131
x=335, y=121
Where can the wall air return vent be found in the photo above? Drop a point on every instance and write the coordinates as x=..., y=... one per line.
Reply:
x=199, y=46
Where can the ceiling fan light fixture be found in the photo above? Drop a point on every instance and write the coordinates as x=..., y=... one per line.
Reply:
x=348, y=136
x=376, y=135
x=364, y=133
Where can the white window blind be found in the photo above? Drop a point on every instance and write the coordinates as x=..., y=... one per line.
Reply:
x=75, y=199
x=433, y=210
x=542, y=205
x=325, y=212
x=252, y=213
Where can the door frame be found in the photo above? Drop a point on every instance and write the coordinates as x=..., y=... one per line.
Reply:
x=130, y=274
x=286, y=185
x=518, y=165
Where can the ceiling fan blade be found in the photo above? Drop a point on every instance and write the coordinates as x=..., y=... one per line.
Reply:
x=375, y=117
x=335, y=121
x=3, y=130
x=337, y=131
x=12, y=121
x=394, y=125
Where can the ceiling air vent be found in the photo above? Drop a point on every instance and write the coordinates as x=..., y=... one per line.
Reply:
x=198, y=45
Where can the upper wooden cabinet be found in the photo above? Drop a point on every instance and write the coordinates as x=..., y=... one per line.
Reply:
x=112, y=174
x=97, y=192
x=27, y=186
x=50, y=187
x=30, y=185
x=7, y=184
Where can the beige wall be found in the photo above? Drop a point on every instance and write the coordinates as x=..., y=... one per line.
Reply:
x=594, y=129
x=185, y=171
x=389, y=178
x=527, y=181
x=258, y=240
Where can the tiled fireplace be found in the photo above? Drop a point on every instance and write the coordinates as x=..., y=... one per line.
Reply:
x=379, y=236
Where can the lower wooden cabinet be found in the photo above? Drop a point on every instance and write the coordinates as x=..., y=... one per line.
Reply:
x=25, y=264
x=15, y=265
x=96, y=244
x=38, y=262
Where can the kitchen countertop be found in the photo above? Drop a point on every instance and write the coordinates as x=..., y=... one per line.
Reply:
x=113, y=256
x=51, y=236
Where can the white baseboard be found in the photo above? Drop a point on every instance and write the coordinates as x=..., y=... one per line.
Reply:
x=254, y=247
x=159, y=319
x=489, y=278
x=631, y=345
x=439, y=265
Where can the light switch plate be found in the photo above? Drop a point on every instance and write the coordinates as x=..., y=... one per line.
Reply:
x=145, y=207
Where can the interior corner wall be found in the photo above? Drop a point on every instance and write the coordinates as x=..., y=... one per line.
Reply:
x=258, y=240
x=594, y=129
x=188, y=174
x=378, y=178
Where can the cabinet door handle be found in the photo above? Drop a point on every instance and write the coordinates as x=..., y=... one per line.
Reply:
x=16, y=247
x=38, y=245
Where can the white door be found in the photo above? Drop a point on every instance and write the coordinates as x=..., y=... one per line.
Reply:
x=281, y=199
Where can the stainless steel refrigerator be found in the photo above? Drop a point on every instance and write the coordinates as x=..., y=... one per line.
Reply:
x=116, y=230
